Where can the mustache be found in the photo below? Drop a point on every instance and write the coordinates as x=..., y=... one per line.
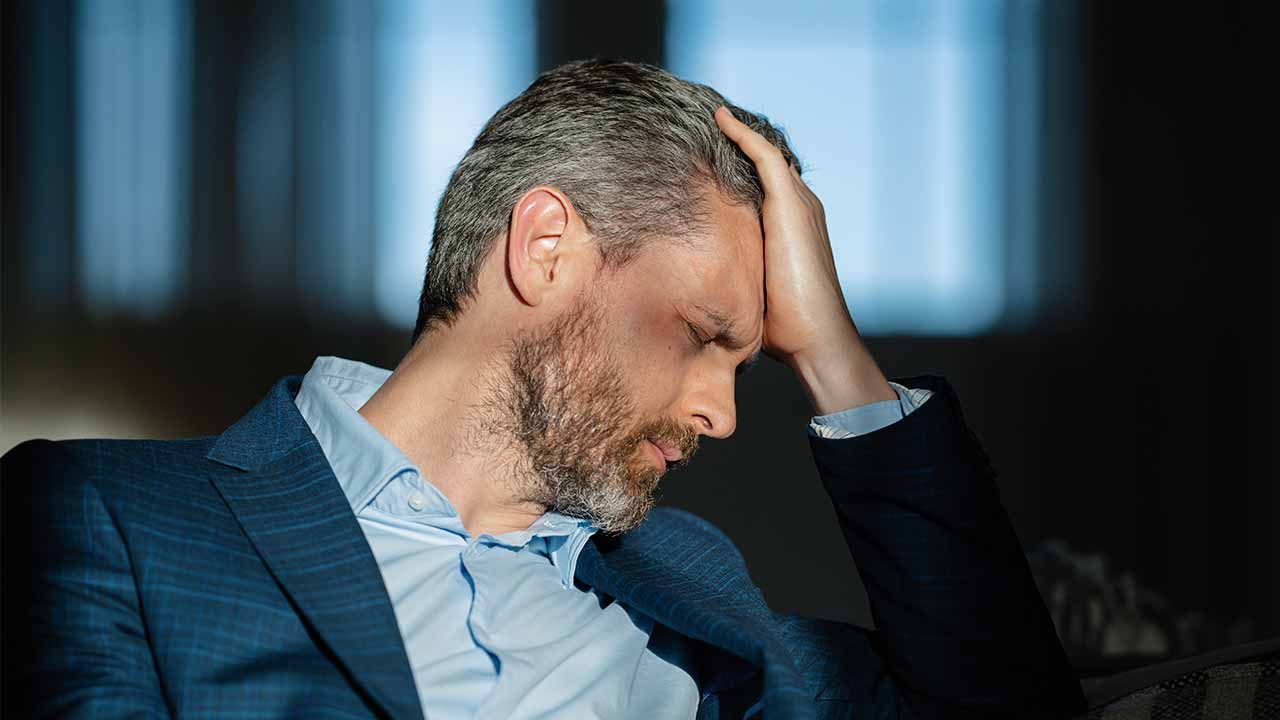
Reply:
x=672, y=434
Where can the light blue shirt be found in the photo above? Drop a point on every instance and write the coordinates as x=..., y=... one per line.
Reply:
x=493, y=625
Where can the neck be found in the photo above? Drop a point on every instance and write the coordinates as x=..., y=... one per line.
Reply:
x=437, y=408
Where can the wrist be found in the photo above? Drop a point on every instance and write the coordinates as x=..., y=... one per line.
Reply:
x=840, y=375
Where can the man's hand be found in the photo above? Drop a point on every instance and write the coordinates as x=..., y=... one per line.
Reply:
x=807, y=323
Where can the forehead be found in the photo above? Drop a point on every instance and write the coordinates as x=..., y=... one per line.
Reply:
x=729, y=259
x=722, y=269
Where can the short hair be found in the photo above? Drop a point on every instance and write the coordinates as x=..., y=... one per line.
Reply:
x=632, y=146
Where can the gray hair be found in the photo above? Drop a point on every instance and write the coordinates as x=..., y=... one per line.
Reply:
x=632, y=146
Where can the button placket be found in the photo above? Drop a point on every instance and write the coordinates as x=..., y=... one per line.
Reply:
x=417, y=502
x=477, y=619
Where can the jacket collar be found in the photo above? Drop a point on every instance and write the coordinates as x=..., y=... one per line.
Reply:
x=271, y=430
x=281, y=489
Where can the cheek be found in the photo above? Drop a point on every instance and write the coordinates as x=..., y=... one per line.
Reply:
x=657, y=358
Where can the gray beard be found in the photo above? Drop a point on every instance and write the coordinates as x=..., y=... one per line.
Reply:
x=564, y=401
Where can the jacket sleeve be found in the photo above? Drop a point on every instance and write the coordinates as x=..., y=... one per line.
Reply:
x=76, y=645
x=961, y=629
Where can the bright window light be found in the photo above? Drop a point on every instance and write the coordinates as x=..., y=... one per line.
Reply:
x=898, y=111
x=132, y=179
x=443, y=69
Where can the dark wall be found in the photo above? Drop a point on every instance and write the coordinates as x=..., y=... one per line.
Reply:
x=1131, y=417
x=1184, y=250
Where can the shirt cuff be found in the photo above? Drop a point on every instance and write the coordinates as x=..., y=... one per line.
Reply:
x=866, y=419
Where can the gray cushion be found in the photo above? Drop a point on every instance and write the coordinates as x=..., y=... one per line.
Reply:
x=1237, y=682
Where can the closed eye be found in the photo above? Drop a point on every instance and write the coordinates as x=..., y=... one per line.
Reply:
x=696, y=337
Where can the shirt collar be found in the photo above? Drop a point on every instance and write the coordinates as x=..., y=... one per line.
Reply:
x=563, y=538
x=363, y=460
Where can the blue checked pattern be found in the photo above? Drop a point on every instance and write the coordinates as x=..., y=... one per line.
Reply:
x=227, y=577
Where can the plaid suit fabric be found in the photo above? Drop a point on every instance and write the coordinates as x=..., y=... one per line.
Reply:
x=960, y=624
x=227, y=577
x=164, y=583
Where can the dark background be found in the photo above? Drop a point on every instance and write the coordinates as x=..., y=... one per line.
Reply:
x=1133, y=419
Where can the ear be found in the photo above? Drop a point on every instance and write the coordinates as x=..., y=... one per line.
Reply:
x=544, y=246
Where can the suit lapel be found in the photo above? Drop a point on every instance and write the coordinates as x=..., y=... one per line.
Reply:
x=692, y=582
x=282, y=491
x=621, y=574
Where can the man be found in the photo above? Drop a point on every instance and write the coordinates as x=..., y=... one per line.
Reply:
x=472, y=535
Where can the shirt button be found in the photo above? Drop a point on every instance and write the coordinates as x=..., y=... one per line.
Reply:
x=417, y=502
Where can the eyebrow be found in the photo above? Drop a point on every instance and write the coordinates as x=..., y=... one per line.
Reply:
x=726, y=330
x=727, y=334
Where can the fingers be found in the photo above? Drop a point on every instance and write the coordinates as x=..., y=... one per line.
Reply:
x=772, y=166
x=805, y=191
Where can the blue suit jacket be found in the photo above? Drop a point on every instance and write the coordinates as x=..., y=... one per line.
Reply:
x=227, y=577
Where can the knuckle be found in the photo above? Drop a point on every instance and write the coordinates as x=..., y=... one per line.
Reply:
x=770, y=155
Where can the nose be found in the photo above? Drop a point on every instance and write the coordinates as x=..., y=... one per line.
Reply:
x=713, y=409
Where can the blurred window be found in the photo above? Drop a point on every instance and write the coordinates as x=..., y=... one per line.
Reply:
x=907, y=116
x=443, y=68
x=916, y=121
x=133, y=106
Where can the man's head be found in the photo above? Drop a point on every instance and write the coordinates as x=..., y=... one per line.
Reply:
x=632, y=146
x=606, y=234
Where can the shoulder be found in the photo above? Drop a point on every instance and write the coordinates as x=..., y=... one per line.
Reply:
x=675, y=520
x=98, y=457
x=116, y=469
x=679, y=531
